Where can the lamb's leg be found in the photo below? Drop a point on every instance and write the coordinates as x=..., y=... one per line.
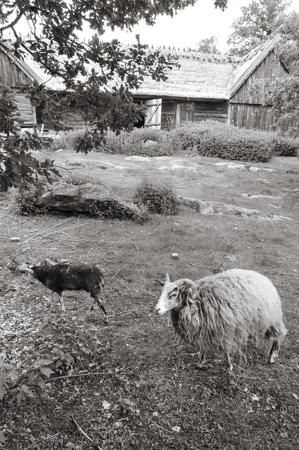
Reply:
x=273, y=355
x=60, y=296
x=202, y=359
x=100, y=304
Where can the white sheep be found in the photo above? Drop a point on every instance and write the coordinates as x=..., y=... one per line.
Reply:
x=224, y=310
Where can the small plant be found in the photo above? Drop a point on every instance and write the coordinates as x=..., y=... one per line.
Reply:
x=157, y=199
x=27, y=196
x=89, y=140
x=66, y=140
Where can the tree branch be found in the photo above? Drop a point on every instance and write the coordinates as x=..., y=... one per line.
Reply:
x=13, y=23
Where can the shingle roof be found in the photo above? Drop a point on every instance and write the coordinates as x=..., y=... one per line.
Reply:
x=200, y=76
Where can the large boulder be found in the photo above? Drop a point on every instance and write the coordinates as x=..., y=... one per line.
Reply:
x=90, y=199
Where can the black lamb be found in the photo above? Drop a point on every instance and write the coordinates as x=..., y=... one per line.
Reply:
x=59, y=277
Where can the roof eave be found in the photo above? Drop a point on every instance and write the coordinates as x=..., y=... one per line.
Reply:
x=180, y=97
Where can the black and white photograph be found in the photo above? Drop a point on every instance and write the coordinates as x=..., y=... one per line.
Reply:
x=149, y=224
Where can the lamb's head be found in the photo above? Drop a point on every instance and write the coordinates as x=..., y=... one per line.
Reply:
x=34, y=269
x=174, y=295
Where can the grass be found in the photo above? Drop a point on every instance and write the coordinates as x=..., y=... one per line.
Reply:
x=148, y=393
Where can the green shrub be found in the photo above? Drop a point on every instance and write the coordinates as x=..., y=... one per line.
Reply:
x=27, y=196
x=90, y=140
x=140, y=141
x=158, y=199
x=285, y=147
x=220, y=140
x=67, y=140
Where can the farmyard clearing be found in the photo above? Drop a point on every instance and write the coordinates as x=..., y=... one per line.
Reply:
x=146, y=392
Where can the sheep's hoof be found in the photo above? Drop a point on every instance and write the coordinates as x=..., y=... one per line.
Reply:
x=273, y=357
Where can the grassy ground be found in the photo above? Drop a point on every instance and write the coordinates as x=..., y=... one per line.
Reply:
x=146, y=392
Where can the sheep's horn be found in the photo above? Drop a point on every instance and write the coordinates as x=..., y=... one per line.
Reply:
x=185, y=281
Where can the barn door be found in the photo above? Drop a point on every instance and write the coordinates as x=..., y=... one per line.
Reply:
x=153, y=113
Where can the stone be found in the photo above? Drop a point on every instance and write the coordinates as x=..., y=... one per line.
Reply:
x=149, y=144
x=15, y=239
x=90, y=199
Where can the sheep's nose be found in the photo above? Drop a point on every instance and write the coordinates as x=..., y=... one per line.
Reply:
x=157, y=309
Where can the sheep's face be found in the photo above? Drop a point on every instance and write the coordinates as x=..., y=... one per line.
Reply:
x=169, y=298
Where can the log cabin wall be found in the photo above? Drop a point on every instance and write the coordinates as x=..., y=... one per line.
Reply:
x=178, y=112
x=12, y=76
x=248, y=106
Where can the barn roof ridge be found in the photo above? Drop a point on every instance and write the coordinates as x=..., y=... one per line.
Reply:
x=194, y=53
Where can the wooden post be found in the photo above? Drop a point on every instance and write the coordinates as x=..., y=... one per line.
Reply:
x=178, y=115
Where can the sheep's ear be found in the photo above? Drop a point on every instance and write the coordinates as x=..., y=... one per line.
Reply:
x=186, y=295
x=160, y=282
x=167, y=279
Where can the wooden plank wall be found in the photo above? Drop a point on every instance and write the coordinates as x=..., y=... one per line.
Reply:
x=248, y=106
x=253, y=90
x=251, y=116
x=210, y=110
x=10, y=74
x=175, y=112
x=26, y=110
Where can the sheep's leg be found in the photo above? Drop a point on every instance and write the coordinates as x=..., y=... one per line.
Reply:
x=273, y=355
x=100, y=304
x=60, y=296
x=229, y=363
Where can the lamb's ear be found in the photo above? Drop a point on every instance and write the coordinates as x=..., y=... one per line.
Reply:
x=48, y=262
x=167, y=279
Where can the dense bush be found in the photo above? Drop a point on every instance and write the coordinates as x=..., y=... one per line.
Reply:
x=158, y=199
x=67, y=140
x=208, y=138
x=27, y=196
x=140, y=141
x=285, y=147
x=220, y=140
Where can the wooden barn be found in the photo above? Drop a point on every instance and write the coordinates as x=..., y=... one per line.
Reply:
x=205, y=86
x=17, y=75
x=246, y=93
x=195, y=91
